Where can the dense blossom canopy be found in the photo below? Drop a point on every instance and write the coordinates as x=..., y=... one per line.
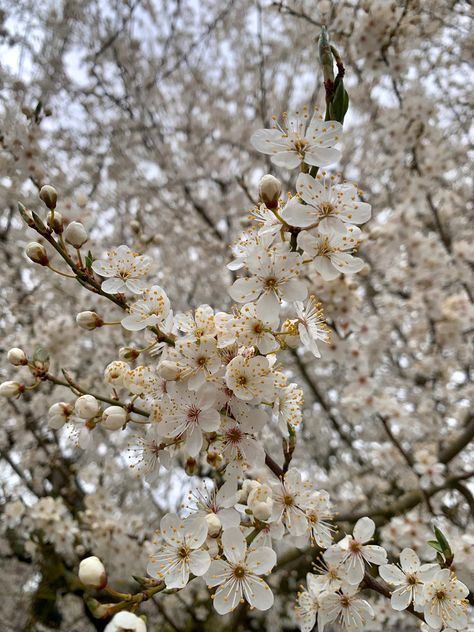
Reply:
x=236, y=316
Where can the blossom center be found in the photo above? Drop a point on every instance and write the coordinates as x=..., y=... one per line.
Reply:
x=234, y=435
x=193, y=414
x=239, y=572
x=326, y=209
x=183, y=552
x=288, y=500
x=412, y=580
x=345, y=601
x=242, y=380
x=299, y=144
x=202, y=361
x=271, y=283
x=355, y=547
x=440, y=595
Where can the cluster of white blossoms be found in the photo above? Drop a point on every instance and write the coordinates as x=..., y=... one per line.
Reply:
x=213, y=383
x=333, y=594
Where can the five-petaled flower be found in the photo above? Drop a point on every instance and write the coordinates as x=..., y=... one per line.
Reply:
x=179, y=554
x=124, y=270
x=296, y=141
x=238, y=577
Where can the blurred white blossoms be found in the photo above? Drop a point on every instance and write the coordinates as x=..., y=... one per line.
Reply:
x=179, y=554
x=124, y=270
x=238, y=576
x=296, y=141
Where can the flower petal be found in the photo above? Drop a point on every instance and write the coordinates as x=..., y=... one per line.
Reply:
x=262, y=560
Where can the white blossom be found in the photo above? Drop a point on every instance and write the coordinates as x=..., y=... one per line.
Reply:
x=239, y=575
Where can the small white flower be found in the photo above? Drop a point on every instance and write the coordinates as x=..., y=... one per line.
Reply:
x=287, y=408
x=307, y=606
x=252, y=331
x=408, y=579
x=197, y=360
x=124, y=270
x=292, y=144
x=218, y=503
x=274, y=278
x=179, y=554
x=290, y=498
x=445, y=601
x=330, y=253
x=328, y=207
x=189, y=414
x=357, y=551
x=152, y=309
x=197, y=325
x=238, y=576
x=250, y=379
x=311, y=325
x=238, y=443
x=346, y=608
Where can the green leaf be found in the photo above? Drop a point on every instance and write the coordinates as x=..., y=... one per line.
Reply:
x=442, y=539
x=339, y=103
x=436, y=545
x=89, y=260
x=41, y=355
x=38, y=222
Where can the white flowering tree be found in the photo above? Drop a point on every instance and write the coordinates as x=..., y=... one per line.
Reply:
x=276, y=436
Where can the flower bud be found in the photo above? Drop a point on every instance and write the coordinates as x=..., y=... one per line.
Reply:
x=11, y=389
x=114, y=418
x=270, y=190
x=37, y=253
x=58, y=414
x=56, y=222
x=214, y=525
x=126, y=621
x=263, y=511
x=17, y=357
x=92, y=573
x=86, y=407
x=89, y=320
x=168, y=370
x=75, y=234
x=49, y=196
x=115, y=371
